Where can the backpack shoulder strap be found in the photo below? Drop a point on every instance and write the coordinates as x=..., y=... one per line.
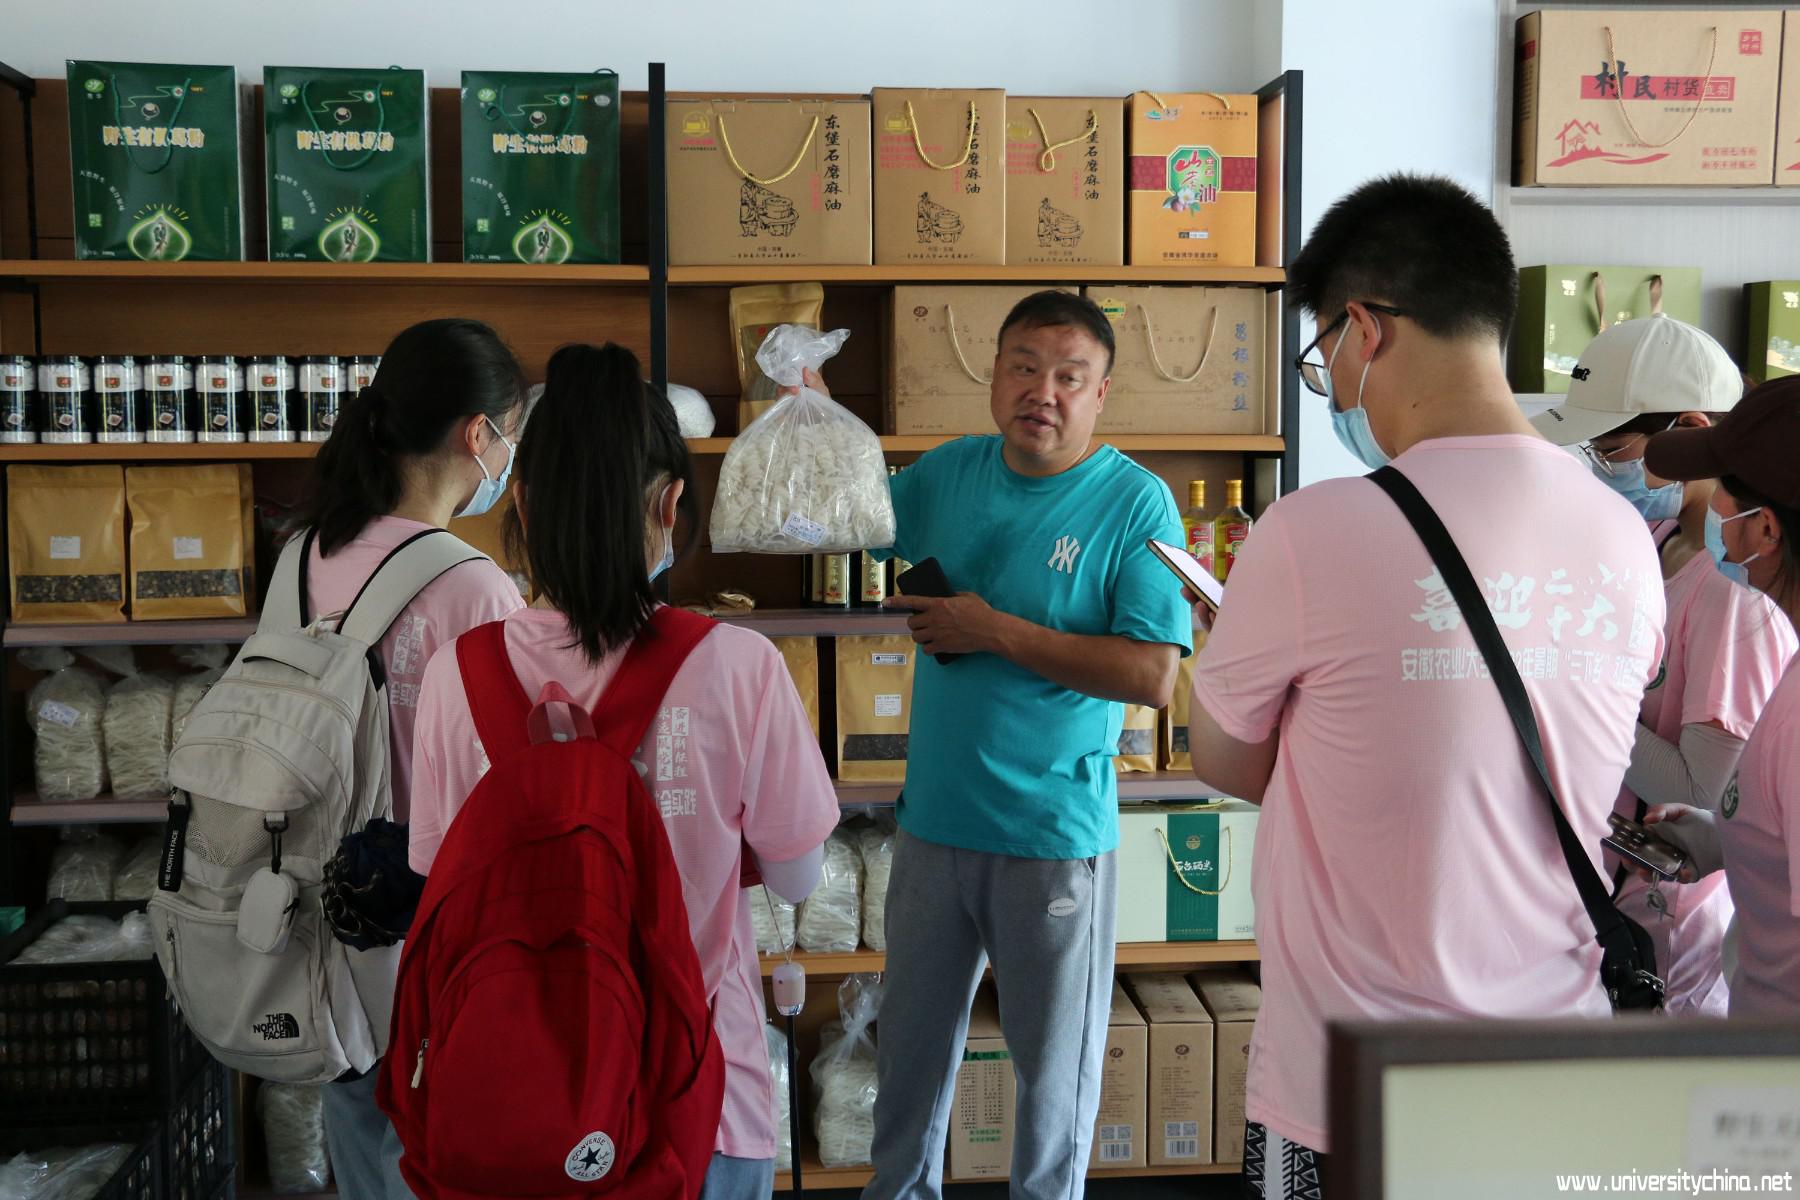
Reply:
x=285, y=607
x=406, y=571
x=497, y=700
x=629, y=707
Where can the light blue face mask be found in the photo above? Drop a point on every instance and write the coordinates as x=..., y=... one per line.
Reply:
x=1653, y=504
x=490, y=489
x=1737, y=572
x=1352, y=427
x=668, y=554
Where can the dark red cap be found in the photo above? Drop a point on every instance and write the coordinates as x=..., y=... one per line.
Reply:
x=1757, y=442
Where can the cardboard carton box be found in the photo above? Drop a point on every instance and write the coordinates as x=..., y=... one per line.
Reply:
x=1787, y=121
x=1645, y=96
x=1233, y=1000
x=940, y=175
x=1563, y=307
x=1119, y=1133
x=942, y=356
x=1193, y=179
x=1184, y=872
x=1180, y=1115
x=1774, y=346
x=776, y=181
x=1065, y=181
x=981, y=1117
x=1189, y=360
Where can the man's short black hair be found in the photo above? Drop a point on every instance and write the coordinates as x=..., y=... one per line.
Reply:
x=1418, y=242
x=1045, y=309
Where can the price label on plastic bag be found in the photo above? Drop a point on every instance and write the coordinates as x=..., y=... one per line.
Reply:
x=58, y=713
x=803, y=530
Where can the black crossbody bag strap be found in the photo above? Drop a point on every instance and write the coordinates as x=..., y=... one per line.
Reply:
x=1628, y=965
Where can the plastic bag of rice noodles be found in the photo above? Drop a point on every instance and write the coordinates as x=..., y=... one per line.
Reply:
x=830, y=920
x=66, y=711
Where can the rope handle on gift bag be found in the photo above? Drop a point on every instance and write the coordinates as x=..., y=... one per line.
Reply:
x=919, y=145
x=1161, y=103
x=1612, y=61
x=1156, y=363
x=1047, y=160
x=372, y=94
x=1656, y=298
x=956, y=348
x=800, y=157
x=181, y=95
x=1175, y=865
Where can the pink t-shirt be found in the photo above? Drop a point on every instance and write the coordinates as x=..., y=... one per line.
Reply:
x=1761, y=836
x=463, y=597
x=731, y=758
x=1727, y=648
x=1406, y=866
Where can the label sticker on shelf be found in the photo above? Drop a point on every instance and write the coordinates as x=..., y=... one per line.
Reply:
x=65, y=547
x=889, y=706
x=887, y=660
x=803, y=530
x=58, y=713
x=189, y=547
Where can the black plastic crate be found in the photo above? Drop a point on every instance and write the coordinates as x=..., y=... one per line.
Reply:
x=139, y=1177
x=199, y=1142
x=88, y=1042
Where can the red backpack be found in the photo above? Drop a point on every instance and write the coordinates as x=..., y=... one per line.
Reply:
x=552, y=1036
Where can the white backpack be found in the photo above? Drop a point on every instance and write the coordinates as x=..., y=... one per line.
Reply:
x=282, y=758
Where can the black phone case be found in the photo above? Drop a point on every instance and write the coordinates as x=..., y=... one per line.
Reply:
x=927, y=578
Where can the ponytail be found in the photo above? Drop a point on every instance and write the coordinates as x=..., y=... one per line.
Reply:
x=601, y=446
x=433, y=376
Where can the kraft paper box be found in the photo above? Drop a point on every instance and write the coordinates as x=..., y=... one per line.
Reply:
x=1774, y=348
x=1065, y=181
x=540, y=167
x=942, y=356
x=1180, y=1116
x=1175, y=717
x=347, y=157
x=155, y=152
x=874, y=707
x=940, y=175
x=1119, y=1141
x=1189, y=359
x=1563, y=307
x=783, y=181
x=1590, y=114
x=1787, y=121
x=1233, y=1000
x=981, y=1121
x=1184, y=872
x=1193, y=179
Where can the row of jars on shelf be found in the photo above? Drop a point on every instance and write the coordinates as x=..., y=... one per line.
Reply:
x=176, y=398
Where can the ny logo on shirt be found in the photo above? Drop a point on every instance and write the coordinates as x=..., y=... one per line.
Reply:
x=1064, y=557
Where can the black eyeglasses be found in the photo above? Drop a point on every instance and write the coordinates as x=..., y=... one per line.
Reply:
x=1312, y=372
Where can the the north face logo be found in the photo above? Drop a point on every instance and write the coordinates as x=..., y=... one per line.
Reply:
x=278, y=1027
x=1063, y=559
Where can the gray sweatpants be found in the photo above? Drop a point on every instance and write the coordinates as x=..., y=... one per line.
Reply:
x=1047, y=926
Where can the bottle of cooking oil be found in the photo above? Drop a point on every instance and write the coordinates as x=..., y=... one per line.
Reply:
x=1198, y=526
x=901, y=566
x=840, y=588
x=1230, y=528
x=872, y=580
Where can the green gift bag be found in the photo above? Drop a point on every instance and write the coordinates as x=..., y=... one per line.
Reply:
x=1774, y=348
x=347, y=163
x=1564, y=307
x=154, y=157
x=540, y=167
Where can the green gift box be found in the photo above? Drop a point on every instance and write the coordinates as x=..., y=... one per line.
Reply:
x=540, y=167
x=154, y=157
x=1184, y=872
x=347, y=164
x=1564, y=307
x=1774, y=348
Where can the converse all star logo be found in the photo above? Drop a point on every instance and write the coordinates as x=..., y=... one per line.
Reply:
x=591, y=1158
x=1063, y=559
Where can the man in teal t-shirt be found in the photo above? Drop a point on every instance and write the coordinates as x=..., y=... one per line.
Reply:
x=1009, y=817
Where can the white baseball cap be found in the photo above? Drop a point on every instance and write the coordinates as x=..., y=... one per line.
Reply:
x=1650, y=365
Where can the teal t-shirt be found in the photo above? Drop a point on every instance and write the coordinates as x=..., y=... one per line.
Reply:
x=1000, y=759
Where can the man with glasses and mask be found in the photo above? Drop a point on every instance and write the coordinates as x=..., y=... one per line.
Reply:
x=1407, y=865
x=1727, y=646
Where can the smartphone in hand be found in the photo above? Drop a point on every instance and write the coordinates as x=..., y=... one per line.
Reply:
x=1189, y=570
x=927, y=578
x=1642, y=848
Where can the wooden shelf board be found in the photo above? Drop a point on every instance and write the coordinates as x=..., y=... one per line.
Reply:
x=1128, y=954
x=1660, y=197
x=29, y=810
x=156, y=451
x=434, y=273
x=886, y=275
x=1231, y=443
x=819, y=622
x=131, y=633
